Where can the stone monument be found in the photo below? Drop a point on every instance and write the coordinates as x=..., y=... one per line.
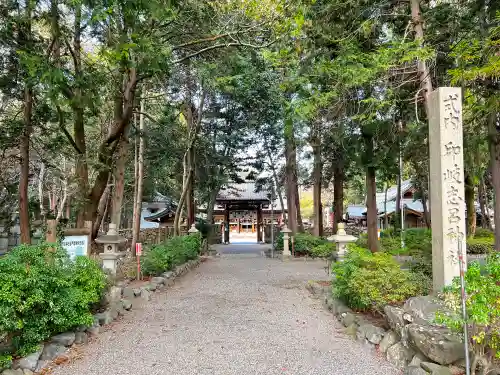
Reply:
x=446, y=184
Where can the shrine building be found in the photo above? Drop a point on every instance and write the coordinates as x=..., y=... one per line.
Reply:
x=241, y=209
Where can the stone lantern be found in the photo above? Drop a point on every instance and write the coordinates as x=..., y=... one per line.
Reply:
x=341, y=239
x=193, y=229
x=110, y=256
x=286, y=247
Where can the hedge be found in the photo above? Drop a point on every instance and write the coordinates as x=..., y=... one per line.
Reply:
x=173, y=252
x=42, y=293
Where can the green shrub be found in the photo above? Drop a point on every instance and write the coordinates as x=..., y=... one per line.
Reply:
x=173, y=252
x=362, y=240
x=480, y=245
x=483, y=313
x=323, y=251
x=278, y=242
x=366, y=281
x=303, y=243
x=392, y=245
x=484, y=233
x=418, y=240
x=43, y=293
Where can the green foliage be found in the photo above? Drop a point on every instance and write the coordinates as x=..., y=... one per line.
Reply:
x=418, y=240
x=42, y=293
x=366, y=281
x=171, y=253
x=480, y=245
x=484, y=233
x=303, y=243
x=323, y=251
x=483, y=307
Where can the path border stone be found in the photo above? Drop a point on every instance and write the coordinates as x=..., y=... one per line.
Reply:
x=399, y=343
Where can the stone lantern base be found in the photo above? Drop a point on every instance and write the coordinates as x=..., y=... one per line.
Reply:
x=110, y=262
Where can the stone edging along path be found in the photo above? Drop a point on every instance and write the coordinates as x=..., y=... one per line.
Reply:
x=119, y=300
x=409, y=339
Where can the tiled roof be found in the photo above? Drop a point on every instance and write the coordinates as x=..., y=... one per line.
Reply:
x=242, y=192
x=392, y=192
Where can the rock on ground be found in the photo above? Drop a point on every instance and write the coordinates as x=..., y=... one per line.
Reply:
x=234, y=315
x=390, y=338
x=438, y=344
x=12, y=372
x=415, y=370
x=29, y=362
x=52, y=351
x=394, y=316
x=66, y=339
x=81, y=338
x=422, y=309
x=435, y=369
x=399, y=355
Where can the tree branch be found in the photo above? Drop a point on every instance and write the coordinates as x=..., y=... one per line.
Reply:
x=65, y=131
x=147, y=115
x=217, y=46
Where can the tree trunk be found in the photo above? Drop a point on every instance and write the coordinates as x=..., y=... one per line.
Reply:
x=178, y=211
x=426, y=211
x=81, y=170
x=482, y=203
x=109, y=145
x=398, y=202
x=190, y=194
x=338, y=195
x=469, y=204
x=289, y=168
x=386, y=217
x=300, y=224
x=494, y=140
x=295, y=185
x=101, y=211
x=423, y=70
x=276, y=182
x=41, y=178
x=317, y=178
x=24, y=143
x=140, y=175
x=211, y=206
x=118, y=191
x=24, y=153
x=371, y=200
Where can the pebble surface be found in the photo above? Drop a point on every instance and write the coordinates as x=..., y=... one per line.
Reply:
x=237, y=314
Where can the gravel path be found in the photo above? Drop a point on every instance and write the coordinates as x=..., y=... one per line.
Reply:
x=239, y=314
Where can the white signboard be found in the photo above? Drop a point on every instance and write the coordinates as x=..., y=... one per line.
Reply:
x=75, y=246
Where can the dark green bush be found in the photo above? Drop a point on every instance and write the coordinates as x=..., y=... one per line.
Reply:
x=480, y=245
x=484, y=233
x=366, y=281
x=418, y=240
x=173, y=252
x=43, y=293
x=303, y=243
x=323, y=251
